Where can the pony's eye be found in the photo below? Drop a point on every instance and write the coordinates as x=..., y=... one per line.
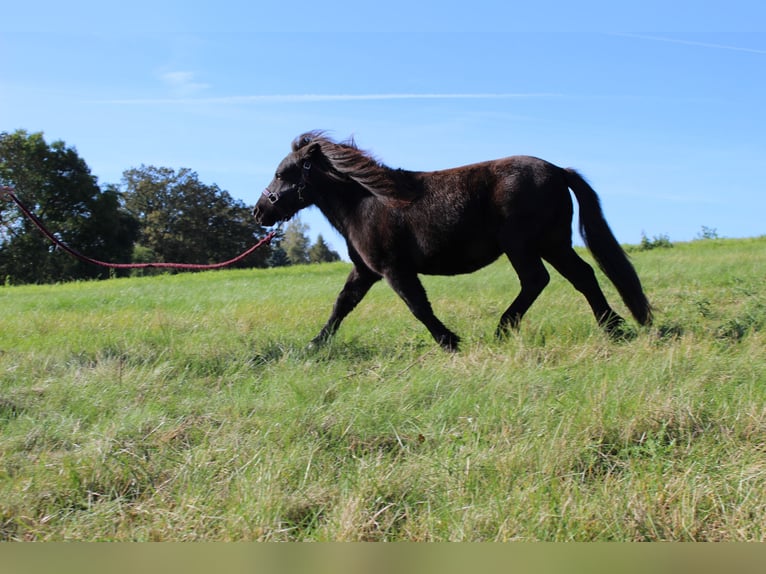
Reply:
x=278, y=176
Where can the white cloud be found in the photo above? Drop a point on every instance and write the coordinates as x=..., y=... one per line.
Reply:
x=182, y=84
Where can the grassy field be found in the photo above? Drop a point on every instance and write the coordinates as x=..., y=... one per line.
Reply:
x=186, y=407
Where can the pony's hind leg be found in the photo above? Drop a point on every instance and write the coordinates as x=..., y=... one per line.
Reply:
x=533, y=277
x=581, y=275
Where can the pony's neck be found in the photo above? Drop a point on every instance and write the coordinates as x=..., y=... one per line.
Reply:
x=347, y=205
x=344, y=208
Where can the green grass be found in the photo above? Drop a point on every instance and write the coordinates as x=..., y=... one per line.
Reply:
x=186, y=407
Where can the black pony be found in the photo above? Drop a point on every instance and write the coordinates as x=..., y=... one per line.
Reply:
x=400, y=223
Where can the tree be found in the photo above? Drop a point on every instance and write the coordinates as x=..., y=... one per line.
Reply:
x=278, y=257
x=182, y=219
x=293, y=247
x=295, y=242
x=58, y=186
x=320, y=252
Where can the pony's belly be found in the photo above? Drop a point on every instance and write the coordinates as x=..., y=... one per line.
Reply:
x=466, y=258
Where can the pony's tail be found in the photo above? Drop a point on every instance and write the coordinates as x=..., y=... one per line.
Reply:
x=608, y=254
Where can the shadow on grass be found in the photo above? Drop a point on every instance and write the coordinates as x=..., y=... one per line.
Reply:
x=353, y=350
x=670, y=332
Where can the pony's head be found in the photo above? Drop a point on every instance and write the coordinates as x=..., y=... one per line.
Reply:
x=318, y=166
x=290, y=190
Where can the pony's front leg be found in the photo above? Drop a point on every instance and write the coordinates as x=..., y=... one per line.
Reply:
x=357, y=285
x=411, y=290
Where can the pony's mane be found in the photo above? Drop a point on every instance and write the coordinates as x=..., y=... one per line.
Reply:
x=347, y=161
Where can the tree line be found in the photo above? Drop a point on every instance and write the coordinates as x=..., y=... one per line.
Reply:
x=154, y=214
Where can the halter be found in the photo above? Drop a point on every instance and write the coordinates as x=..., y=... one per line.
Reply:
x=275, y=197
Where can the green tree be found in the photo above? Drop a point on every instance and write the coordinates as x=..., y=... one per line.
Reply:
x=320, y=252
x=184, y=220
x=295, y=242
x=57, y=185
x=277, y=257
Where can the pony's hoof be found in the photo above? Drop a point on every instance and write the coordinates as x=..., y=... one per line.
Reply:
x=617, y=329
x=316, y=344
x=504, y=332
x=449, y=342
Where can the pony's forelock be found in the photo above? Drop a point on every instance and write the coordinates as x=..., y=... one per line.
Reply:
x=308, y=138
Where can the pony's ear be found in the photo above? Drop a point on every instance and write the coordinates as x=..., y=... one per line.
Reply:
x=310, y=157
x=311, y=151
x=307, y=139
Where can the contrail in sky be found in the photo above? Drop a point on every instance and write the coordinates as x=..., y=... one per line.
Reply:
x=315, y=98
x=691, y=43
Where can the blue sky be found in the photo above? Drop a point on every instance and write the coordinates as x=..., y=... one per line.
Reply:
x=660, y=106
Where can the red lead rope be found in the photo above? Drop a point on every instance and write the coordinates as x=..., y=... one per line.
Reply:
x=9, y=192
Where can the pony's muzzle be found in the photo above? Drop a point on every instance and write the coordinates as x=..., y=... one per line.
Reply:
x=257, y=214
